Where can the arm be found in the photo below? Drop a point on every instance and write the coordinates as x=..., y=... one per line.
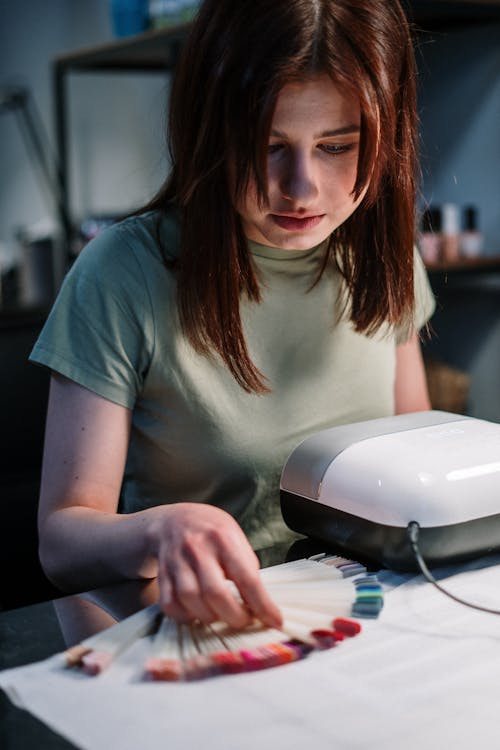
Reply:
x=410, y=388
x=85, y=449
x=85, y=543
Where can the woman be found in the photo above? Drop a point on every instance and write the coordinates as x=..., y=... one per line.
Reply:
x=267, y=292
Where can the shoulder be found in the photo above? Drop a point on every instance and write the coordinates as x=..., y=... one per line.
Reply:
x=126, y=262
x=121, y=275
x=139, y=243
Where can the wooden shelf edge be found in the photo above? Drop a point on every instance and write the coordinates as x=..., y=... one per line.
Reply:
x=482, y=263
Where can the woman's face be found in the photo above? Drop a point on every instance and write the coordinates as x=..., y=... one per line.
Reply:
x=312, y=163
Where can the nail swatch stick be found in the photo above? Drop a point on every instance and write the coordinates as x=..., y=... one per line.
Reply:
x=97, y=652
x=317, y=599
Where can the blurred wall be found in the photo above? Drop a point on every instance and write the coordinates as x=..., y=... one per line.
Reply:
x=117, y=155
x=460, y=116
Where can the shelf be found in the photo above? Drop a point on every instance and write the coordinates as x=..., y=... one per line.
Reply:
x=158, y=50
x=480, y=265
x=442, y=15
x=466, y=276
x=147, y=52
x=14, y=317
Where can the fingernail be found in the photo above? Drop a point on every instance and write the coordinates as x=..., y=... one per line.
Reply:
x=273, y=622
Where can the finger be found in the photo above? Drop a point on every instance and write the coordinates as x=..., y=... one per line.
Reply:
x=176, y=612
x=188, y=594
x=246, y=576
x=217, y=594
x=169, y=601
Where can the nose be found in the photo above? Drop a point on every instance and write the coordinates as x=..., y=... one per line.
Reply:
x=297, y=179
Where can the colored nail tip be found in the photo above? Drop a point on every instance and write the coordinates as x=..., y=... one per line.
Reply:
x=286, y=655
x=252, y=659
x=271, y=655
x=362, y=613
x=200, y=667
x=222, y=657
x=369, y=596
x=73, y=656
x=269, y=658
x=371, y=591
x=369, y=599
x=348, y=627
x=269, y=661
x=368, y=607
x=338, y=635
x=91, y=669
x=297, y=651
x=325, y=638
x=301, y=646
x=166, y=670
x=229, y=662
x=375, y=587
x=160, y=677
x=369, y=604
x=95, y=662
x=369, y=587
x=348, y=574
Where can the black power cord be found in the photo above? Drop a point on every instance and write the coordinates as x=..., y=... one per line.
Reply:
x=413, y=531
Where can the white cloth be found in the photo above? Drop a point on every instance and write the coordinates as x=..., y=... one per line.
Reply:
x=424, y=675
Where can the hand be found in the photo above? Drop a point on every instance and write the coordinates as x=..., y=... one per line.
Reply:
x=198, y=548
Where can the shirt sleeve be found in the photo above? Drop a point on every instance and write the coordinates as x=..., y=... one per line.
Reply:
x=100, y=331
x=425, y=304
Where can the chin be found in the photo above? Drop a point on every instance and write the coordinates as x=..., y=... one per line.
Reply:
x=296, y=241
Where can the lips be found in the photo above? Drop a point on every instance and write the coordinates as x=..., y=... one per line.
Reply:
x=295, y=223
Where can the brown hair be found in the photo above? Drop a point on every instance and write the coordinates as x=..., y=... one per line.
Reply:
x=239, y=55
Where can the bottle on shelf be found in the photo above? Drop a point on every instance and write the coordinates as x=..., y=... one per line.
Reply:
x=430, y=239
x=129, y=17
x=450, y=228
x=189, y=9
x=163, y=13
x=471, y=239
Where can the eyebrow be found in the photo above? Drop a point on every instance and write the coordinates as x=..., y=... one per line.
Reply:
x=345, y=130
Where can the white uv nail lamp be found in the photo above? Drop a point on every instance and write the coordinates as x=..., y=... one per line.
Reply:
x=358, y=486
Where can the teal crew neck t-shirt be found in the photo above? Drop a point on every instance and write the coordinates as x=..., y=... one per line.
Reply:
x=196, y=435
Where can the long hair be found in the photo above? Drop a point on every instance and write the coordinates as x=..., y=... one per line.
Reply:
x=238, y=57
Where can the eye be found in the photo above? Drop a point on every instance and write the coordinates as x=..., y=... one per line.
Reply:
x=336, y=148
x=274, y=148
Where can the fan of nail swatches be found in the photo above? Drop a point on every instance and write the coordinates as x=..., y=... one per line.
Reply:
x=321, y=600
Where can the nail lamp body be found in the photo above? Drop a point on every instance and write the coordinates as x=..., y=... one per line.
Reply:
x=358, y=486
